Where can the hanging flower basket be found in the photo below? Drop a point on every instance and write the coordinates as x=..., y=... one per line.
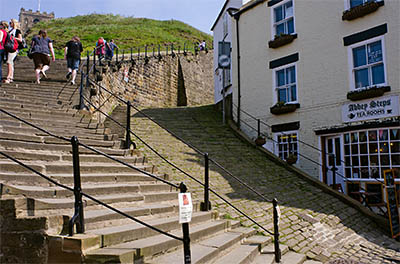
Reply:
x=282, y=108
x=367, y=93
x=291, y=159
x=361, y=10
x=260, y=141
x=281, y=40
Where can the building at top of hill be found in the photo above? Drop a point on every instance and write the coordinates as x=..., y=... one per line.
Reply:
x=28, y=18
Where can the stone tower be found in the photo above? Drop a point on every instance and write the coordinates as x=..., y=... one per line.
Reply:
x=28, y=18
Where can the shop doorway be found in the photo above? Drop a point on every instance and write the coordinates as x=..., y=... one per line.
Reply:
x=334, y=158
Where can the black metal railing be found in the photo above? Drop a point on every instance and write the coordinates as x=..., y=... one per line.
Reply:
x=206, y=204
x=77, y=220
x=333, y=158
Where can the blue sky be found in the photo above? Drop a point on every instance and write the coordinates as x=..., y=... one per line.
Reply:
x=200, y=14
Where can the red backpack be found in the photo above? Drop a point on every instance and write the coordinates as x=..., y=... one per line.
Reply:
x=10, y=43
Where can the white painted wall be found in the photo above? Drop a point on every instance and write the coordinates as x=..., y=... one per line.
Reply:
x=322, y=70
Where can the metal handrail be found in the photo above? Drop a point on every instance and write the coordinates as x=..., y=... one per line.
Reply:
x=313, y=161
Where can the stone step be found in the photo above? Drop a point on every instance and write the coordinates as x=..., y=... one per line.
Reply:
x=93, y=189
x=29, y=178
x=68, y=203
x=64, y=167
x=205, y=251
x=151, y=242
x=241, y=254
x=56, y=91
x=13, y=145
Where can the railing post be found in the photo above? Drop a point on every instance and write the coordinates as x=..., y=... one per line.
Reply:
x=78, y=218
x=333, y=171
x=206, y=205
x=138, y=53
x=185, y=231
x=258, y=127
x=116, y=55
x=128, y=141
x=145, y=51
x=88, y=63
x=81, y=104
x=276, y=231
x=159, y=50
x=94, y=61
x=131, y=54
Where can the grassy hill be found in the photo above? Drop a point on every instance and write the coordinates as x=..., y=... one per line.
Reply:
x=127, y=32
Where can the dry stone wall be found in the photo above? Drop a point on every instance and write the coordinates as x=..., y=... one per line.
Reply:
x=166, y=81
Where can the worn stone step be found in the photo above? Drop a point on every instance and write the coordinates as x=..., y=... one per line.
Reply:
x=241, y=254
x=110, y=167
x=205, y=251
x=68, y=203
x=97, y=158
x=12, y=145
x=20, y=137
x=90, y=189
x=149, y=246
x=89, y=142
x=44, y=94
x=107, y=177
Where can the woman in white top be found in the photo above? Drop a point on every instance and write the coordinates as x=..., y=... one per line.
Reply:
x=16, y=32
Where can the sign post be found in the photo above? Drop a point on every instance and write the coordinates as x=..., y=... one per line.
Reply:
x=392, y=203
x=224, y=62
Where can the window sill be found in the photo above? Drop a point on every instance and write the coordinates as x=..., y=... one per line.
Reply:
x=281, y=40
x=279, y=109
x=367, y=93
x=361, y=10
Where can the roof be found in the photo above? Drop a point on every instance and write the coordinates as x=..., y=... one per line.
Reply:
x=220, y=14
x=248, y=6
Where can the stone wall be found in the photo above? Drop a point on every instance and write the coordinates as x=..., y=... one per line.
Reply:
x=166, y=81
x=22, y=240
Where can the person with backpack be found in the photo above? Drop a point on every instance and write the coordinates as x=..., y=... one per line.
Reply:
x=3, y=35
x=4, y=26
x=72, y=53
x=16, y=33
x=42, y=47
x=100, y=49
x=110, y=49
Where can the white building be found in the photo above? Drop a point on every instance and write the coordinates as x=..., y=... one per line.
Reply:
x=222, y=29
x=323, y=78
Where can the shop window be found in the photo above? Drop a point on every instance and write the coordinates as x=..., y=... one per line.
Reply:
x=368, y=153
x=368, y=64
x=353, y=189
x=287, y=144
x=375, y=193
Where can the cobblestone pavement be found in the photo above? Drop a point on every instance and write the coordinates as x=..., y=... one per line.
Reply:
x=312, y=222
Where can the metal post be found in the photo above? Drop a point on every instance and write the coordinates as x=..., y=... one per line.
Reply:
x=128, y=126
x=87, y=63
x=145, y=51
x=159, y=52
x=138, y=53
x=206, y=205
x=123, y=55
x=333, y=171
x=153, y=49
x=81, y=104
x=116, y=55
x=276, y=231
x=131, y=54
x=223, y=96
x=94, y=62
x=172, y=48
x=78, y=218
x=258, y=128
x=185, y=231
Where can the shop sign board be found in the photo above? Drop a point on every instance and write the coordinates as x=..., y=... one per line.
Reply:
x=381, y=107
x=392, y=203
x=185, y=207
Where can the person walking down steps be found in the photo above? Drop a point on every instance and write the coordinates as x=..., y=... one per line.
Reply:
x=72, y=53
x=42, y=47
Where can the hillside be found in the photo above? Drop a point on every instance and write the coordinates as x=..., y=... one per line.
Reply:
x=127, y=32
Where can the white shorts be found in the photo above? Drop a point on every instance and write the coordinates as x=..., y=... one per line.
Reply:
x=11, y=57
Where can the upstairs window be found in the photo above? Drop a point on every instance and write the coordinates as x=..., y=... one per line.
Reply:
x=354, y=3
x=285, y=84
x=284, y=19
x=368, y=64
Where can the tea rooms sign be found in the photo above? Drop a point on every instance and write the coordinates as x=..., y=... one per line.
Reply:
x=371, y=109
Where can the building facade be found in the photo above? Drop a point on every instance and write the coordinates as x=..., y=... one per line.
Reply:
x=322, y=78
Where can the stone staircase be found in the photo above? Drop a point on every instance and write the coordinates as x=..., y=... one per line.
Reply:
x=109, y=237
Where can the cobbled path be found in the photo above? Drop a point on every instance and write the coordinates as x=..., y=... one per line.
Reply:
x=312, y=222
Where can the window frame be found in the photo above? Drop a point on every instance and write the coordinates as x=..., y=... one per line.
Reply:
x=352, y=69
x=274, y=82
x=347, y=5
x=288, y=133
x=273, y=23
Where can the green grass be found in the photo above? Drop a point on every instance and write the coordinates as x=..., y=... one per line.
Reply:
x=127, y=32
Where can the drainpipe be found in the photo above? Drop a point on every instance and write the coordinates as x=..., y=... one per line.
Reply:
x=233, y=12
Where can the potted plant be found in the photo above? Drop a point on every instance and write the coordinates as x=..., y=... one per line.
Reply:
x=291, y=159
x=367, y=93
x=361, y=10
x=283, y=108
x=281, y=39
x=260, y=140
